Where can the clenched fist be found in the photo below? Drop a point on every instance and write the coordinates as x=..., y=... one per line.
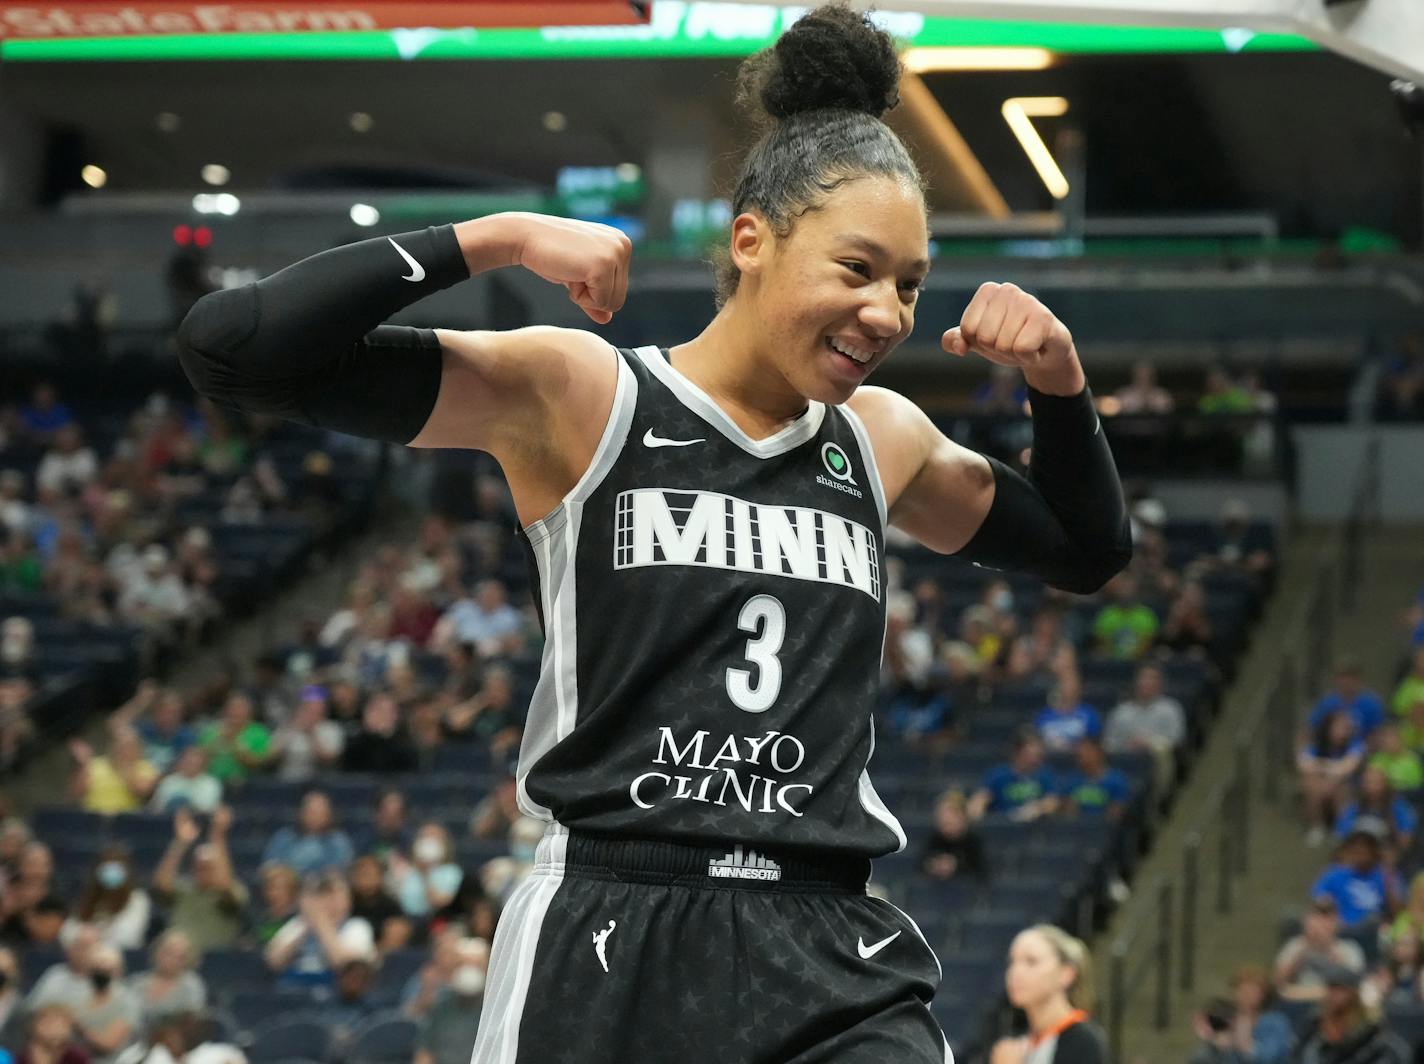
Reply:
x=588, y=258
x=1007, y=325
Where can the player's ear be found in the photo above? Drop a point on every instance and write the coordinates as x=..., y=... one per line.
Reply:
x=751, y=241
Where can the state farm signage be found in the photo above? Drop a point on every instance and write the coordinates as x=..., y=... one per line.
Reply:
x=86, y=18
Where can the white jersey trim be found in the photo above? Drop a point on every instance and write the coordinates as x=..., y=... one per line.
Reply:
x=701, y=404
x=871, y=801
x=867, y=455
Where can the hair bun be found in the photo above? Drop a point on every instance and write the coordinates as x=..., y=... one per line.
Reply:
x=832, y=57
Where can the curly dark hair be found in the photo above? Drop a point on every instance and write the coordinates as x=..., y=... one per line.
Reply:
x=815, y=97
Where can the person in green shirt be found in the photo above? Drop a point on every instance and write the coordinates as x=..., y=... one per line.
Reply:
x=1223, y=395
x=1410, y=920
x=20, y=566
x=1125, y=627
x=236, y=744
x=1411, y=730
x=1402, y=765
x=1411, y=689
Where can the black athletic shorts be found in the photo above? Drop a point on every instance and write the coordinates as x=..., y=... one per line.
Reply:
x=617, y=951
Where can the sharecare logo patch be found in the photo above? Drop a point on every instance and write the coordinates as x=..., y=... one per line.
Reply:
x=658, y=526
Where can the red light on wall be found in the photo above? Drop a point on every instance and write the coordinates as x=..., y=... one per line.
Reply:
x=202, y=236
x=182, y=235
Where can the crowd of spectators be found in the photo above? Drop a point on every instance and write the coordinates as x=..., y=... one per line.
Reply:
x=944, y=667
x=386, y=908
x=1347, y=983
x=427, y=658
x=98, y=528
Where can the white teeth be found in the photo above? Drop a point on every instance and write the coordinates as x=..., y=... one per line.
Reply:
x=850, y=352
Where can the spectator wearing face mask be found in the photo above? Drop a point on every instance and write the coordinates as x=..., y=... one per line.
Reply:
x=109, y=1019
x=430, y=878
x=448, y=1031
x=113, y=903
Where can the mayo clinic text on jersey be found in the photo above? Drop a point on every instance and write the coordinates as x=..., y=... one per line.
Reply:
x=723, y=776
x=659, y=526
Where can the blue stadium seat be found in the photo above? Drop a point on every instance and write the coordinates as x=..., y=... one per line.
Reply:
x=386, y=1038
x=299, y=1037
x=991, y=932
x=398, y=966
x=50, y=822
x=228, y=971
x=252, y=1008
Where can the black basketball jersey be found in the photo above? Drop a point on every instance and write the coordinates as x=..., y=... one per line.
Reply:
x=714, y=614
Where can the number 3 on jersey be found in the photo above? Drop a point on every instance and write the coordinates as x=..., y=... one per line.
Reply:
x=764, y=619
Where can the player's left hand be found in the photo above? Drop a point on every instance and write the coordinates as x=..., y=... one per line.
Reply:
x=1007, y=325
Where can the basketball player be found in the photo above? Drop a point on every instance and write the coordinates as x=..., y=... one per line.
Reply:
x=706, y=525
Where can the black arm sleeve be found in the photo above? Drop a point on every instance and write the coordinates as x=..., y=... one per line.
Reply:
x=1066, y=522
x=306, y=343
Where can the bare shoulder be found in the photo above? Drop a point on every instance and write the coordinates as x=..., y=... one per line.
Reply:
x=935, y=490
x=543, y=359
x=900, y=434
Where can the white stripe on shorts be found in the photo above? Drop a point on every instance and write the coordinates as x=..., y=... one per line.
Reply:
x=511, y=963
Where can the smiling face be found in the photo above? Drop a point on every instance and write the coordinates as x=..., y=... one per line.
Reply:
x=849, y=270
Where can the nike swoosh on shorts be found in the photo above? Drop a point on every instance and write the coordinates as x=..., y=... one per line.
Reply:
x=866, y=952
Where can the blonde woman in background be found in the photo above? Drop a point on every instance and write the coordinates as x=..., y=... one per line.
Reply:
x=1050, y=978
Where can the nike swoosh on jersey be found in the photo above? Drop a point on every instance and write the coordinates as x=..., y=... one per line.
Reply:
x=649, y=440
x=866, y=952
x=417, y=271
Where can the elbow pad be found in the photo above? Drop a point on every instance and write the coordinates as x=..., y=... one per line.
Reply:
x=381, y=388
x=306, y=343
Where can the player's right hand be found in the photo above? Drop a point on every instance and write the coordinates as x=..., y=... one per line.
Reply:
x=588, y=258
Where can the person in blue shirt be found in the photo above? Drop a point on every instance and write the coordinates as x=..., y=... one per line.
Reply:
x=315, y=844
x=1377, y=799
x=1023, y=788
x=1095, y=788
x=1364, y=888
x=44, y=414
x=1350, y=694
x=1067, y=720
x=1327, y=761
x=1261, y=1033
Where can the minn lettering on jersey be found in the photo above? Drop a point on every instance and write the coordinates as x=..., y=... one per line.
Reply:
x=659, y=526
